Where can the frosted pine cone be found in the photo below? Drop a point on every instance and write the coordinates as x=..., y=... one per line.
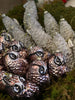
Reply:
x=66, y=30
x=30, y=8
x=61, y=44
x=17, y=32
x=51, y=25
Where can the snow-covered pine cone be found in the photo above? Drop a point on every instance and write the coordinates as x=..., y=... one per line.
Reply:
x=17, y=32
x=31, y=8
x=15, y=64
x=50, y=23
x=38, y=73
x=61, y=44
x=69, y=35
x=66, y=30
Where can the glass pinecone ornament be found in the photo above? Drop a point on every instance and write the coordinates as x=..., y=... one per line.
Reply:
x=6, y=39
x=15, y=64
x=18, y=46
x=38, y=73
x=57, y=64
x=15, y=85
x=66, y=30
x=2, y=75
x=38, y=53
x=1, y=52
x=31, y=89
x=51, y=25
x=20, y=88
x=17, y=32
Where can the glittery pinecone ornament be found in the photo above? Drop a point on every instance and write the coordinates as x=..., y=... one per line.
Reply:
x=15, y=64
x=38, y=73
x=38, y=53
x=18, y=46
x=50, y=23
x=2, y=48
x=31, y=89
x=5, y=38
x=2, y=75
x=16, y=30
x=61, y=44
x=31, y=8
x=67, y=32
x=57, y=64
x=21, y=88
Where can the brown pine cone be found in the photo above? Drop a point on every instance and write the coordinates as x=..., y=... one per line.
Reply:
x=5, y=38
x=37, y=73
x=18, y=46
x=1, y=52
x=20, y=88
x=38, y=53
x=57, y=64
x=15, y=64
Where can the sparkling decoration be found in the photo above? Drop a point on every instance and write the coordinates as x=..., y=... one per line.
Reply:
x=38, y=53
x=57, y=64
x=37, y=72
x=33, y=56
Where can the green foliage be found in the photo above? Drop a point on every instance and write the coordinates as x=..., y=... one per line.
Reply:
x=63, y=88
x=4, y=97
x=58, y=10
x=17, y=12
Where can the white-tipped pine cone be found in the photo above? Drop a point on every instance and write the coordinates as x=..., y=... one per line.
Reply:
x=17, y=32
x=66, y=30
x=61, y=44
x=50, y=23
x=30, y=8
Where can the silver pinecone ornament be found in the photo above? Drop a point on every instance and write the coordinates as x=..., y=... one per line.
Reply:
x=66, y=30
x=50, y=23
x=15, y=30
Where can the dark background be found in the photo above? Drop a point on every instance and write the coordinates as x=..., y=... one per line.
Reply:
x=6, y=5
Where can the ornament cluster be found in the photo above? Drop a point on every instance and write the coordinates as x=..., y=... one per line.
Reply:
x=23, y=71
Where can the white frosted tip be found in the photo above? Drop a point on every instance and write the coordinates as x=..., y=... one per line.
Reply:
x=45, y=12
x=62, y=19
x=24, y=5
x=3, y=15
